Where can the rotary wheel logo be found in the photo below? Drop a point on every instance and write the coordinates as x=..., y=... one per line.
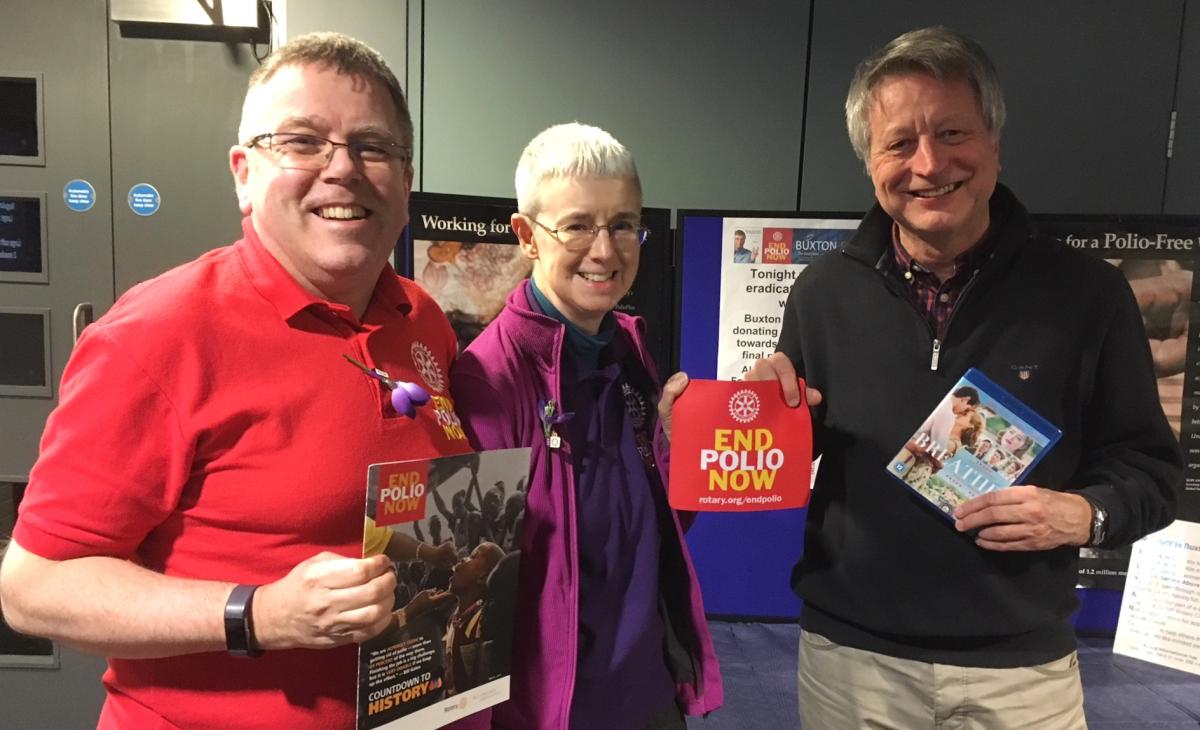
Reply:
x=776, y=236
x=744, y=406
x=427, y=366
x=634, y=405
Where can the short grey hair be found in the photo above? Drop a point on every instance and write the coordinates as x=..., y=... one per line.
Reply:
x=938, y=52
x=571, y=150
x=344, y=55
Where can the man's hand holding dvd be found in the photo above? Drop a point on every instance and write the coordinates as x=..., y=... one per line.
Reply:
x=969, y=459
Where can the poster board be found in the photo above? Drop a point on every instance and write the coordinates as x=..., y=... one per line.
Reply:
x=1157, y=255
x=760, y=258
x=744, y=561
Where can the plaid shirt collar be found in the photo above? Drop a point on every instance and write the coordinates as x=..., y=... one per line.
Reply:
x=965, y=262
x=936, y=298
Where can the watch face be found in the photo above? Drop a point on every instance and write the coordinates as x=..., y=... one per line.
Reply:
x=1099, y=521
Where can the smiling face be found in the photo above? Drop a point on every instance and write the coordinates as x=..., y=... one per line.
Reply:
x=332, y=229
x=583, y=285
x=933, y=162
x=739, y=241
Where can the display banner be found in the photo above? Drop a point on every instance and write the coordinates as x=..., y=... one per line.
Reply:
x=760, y=258
x=462, y=250
x=1157, y=254
x=738, y=447
x=1160, y=611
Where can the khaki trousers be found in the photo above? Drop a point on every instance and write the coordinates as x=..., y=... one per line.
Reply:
x=847, y=689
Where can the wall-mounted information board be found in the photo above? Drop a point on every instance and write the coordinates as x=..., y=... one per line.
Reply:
x=21, y=136
x=23, y=249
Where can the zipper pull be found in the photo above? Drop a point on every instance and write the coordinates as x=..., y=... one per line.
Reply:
x=937, y=350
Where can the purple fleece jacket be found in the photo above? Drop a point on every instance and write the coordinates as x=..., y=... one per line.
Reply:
x=497, y=383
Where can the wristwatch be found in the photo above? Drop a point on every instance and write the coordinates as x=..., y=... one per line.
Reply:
x=1099, y=524
x=239, y=630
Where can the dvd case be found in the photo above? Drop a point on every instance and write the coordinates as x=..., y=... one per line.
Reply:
x=978, y=439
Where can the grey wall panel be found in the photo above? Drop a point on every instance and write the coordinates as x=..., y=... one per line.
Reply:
x=65, y=42
x=707, y=96
x=1089, y=87
x=175, y=110
x=414, y=70
x=381, y=24
x=1183, y=170
x=69, y=696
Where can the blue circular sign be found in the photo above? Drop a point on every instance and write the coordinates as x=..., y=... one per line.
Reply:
x=144, y=199
x=79, y=195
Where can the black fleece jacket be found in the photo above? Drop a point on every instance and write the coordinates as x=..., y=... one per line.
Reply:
x=1057, y=328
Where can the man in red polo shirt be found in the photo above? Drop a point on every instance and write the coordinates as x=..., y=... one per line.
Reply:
x=198, y=499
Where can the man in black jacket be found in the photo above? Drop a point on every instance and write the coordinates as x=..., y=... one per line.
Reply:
x=911, y=620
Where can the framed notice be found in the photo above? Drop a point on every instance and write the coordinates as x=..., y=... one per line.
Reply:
x=22, y=137
x=24, y=248
x=25, y=342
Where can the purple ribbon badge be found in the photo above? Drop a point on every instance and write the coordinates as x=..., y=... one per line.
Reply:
x=550, y=419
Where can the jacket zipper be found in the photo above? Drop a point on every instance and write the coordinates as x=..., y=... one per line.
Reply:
x=561, y=458
x=937, y=343
x=935, y=354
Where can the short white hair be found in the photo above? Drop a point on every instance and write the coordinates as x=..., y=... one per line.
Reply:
x=571, y=150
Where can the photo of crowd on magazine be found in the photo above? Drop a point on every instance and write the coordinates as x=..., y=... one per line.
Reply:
x=978, y=439
x=452, y=527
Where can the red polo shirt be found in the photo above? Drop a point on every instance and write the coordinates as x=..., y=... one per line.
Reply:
x=209, y=427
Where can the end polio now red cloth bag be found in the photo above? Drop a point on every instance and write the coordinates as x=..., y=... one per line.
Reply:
x=738, y=447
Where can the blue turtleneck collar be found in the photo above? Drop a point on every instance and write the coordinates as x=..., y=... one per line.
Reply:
x=585, y=347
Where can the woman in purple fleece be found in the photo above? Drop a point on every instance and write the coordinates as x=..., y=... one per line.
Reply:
x=610, y=630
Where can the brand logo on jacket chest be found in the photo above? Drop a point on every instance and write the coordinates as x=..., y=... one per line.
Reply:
x=1024, y=372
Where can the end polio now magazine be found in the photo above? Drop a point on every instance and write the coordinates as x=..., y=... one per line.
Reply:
x=738, y=447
